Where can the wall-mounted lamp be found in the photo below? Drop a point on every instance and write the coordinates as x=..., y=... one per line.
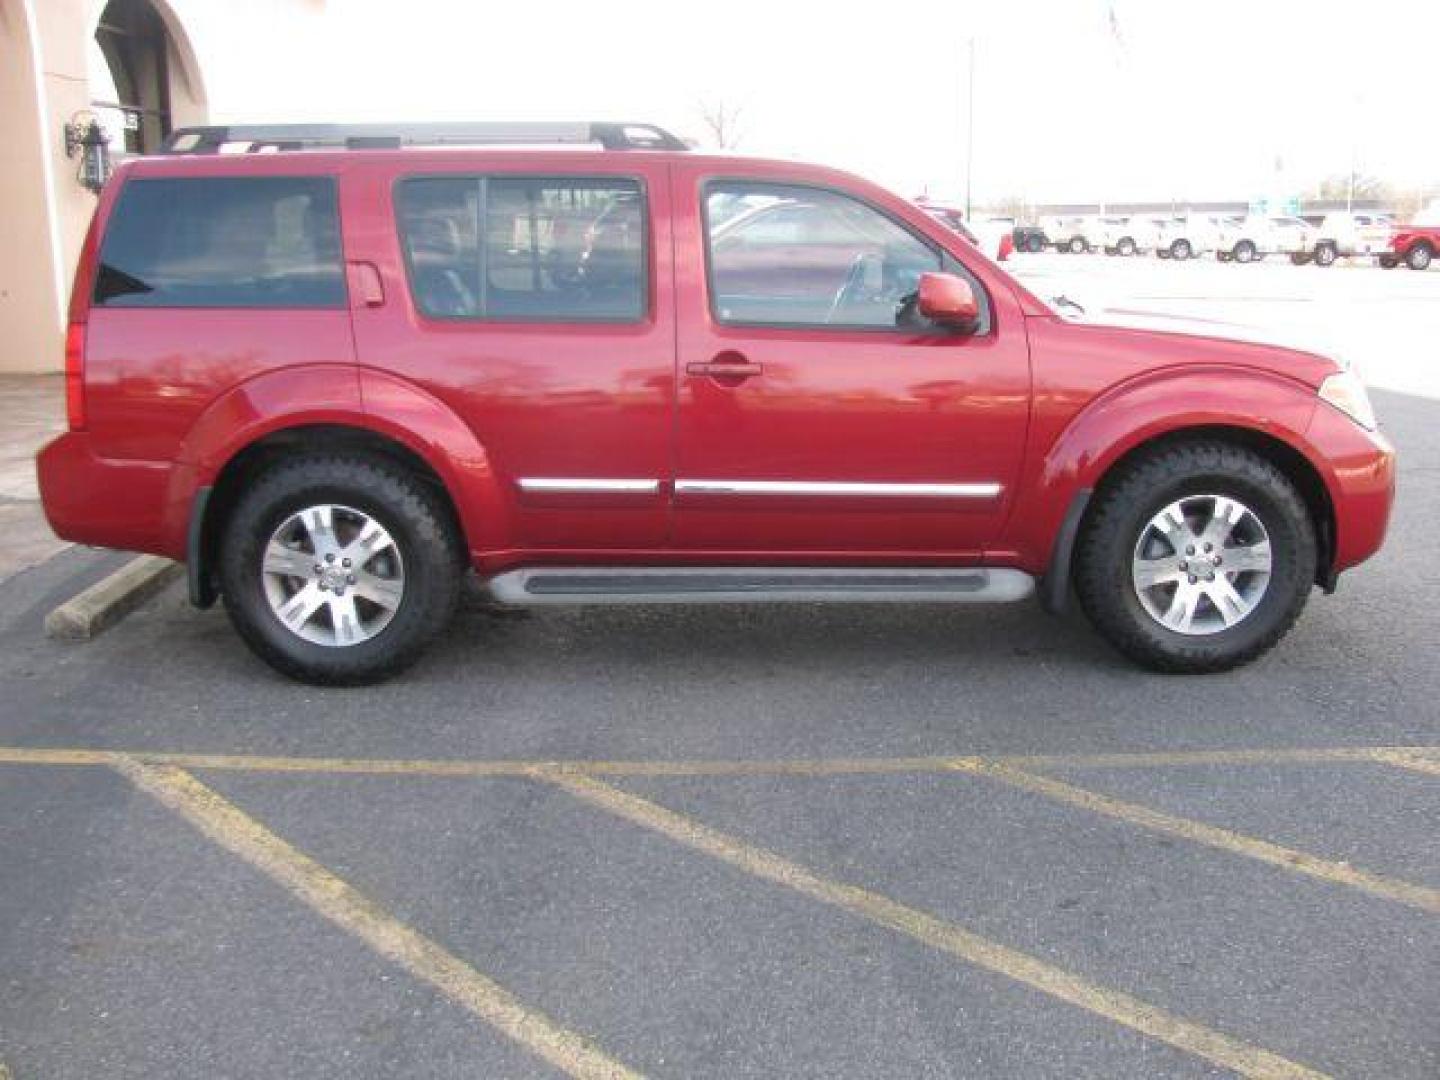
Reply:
x=84, y=136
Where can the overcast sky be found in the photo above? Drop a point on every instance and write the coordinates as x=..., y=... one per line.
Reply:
x=1220, y=99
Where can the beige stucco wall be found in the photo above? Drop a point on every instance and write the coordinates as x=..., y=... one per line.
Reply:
x=30, y=292
x=259, y=53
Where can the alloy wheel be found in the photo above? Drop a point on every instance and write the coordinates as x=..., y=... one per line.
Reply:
x=333, y=575
x=1202, y=564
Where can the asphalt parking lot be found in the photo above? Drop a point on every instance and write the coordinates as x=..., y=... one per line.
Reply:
x=799, y=841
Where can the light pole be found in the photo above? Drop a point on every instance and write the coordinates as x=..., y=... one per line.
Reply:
x=970, y=131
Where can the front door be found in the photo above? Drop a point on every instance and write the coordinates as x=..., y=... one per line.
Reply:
x=819, y=416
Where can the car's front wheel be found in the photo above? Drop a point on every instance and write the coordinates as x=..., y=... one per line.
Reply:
x=1419, y=257
x=1196, y=558
x=1325, y=254
x=1180, y=249
x=339, y=569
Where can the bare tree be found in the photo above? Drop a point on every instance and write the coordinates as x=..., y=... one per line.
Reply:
x=722, y=121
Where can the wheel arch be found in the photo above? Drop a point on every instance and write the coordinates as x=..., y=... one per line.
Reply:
x=215, y=502
x=1292, y=463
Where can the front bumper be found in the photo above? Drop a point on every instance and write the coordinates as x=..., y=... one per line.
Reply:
x=1360, y=467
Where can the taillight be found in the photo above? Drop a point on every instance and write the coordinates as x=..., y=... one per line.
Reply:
x=75, y=376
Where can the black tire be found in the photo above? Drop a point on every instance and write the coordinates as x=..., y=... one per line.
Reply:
x=1325, y=254
x=1162, y=253
x=1223, y=256
x=409, y=509
x=1077, y=246
x=1126, y=247
x=1244, y=251
x=1181, y=249
x=1419, y=257
x=1111, y=251
x=1143, y=487
x=1035, y=244
x=1388, y=262
x=1299, y=258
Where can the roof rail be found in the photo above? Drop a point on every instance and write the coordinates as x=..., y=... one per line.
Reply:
x=263, y=137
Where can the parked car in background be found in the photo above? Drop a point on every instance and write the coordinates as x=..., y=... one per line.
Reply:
x=1347, y=234
x=1187, y=236
x=1414, y=245
x=337, y=382
x=993, y=236
x=1251, y=238
x=1075, y=234
x=1125, y=236
x=1029, y=238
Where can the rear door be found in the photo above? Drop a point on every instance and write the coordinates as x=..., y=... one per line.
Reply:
x=533, y=298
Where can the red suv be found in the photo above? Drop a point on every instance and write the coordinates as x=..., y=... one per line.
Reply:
x=334, y=377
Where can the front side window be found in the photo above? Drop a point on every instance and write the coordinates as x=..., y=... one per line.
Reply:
x=227, y=242
x=524, y=248
x=788, y=255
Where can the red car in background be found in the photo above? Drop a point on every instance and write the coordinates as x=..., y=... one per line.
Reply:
x=996, y=240
x=337, y=378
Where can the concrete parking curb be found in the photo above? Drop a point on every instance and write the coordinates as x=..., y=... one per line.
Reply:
x=108, y=601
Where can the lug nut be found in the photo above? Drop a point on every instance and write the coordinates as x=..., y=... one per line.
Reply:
x=330, y=557
x=1193, y=579
x=345, y=563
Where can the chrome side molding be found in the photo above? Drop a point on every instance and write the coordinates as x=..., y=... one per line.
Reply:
x=837, y=487
x=583, y=485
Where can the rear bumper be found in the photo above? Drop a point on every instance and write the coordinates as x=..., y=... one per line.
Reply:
x=132, y=505
x=1361, y=467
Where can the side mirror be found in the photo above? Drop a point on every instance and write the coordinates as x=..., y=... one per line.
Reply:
x=948, y=301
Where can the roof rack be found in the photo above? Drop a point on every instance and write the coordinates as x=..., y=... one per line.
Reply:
x=268, y=137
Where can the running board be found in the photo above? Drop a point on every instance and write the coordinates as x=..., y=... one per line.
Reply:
x=757, y=585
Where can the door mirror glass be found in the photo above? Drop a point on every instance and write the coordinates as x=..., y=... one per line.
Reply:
x=948, y=300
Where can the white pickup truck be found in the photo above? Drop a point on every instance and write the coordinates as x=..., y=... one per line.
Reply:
x=1346, y=233
x=1251, y=238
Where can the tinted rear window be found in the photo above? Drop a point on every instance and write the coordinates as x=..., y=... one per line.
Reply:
x=228, y=242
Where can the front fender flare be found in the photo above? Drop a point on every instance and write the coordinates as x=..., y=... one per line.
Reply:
x=1141, y=410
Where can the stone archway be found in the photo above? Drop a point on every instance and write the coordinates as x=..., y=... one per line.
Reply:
x=144, y=76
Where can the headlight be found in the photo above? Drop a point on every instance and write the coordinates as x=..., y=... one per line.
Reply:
x=1346, y=392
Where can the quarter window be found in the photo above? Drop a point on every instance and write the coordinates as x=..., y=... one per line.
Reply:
x=228, y=242
x=520, y=248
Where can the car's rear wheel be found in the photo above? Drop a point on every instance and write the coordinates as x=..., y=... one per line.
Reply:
x=1077, y=246
x=1325, y=254
x=1299, y=258
x=1126, y=247
x=339, y=569
x=1180, y=249
x=1196, y=558
x=1035, y=244
x=1419, y=257
x=1244, y=252
x=1222, y=256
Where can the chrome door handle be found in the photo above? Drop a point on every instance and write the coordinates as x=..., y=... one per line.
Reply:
x=723, y=368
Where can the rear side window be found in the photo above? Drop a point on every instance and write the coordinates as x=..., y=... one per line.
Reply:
x=523, y=248
x=225, y=242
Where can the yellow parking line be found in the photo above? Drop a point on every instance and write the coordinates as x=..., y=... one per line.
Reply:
x=1422, y=758
x=1420, y=896
x=1113, y=1005
x=1414, y=760
x=242, y=835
